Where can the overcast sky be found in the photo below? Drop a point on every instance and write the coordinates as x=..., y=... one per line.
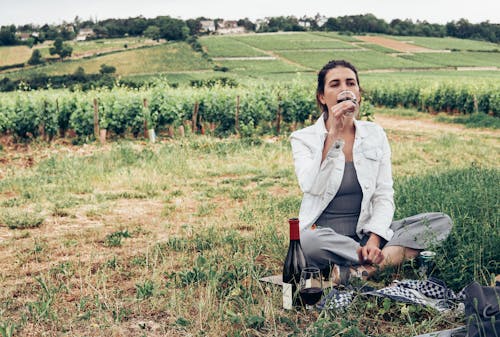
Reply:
x=435, y=11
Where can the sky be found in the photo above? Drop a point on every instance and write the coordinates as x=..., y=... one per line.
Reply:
x=20, y=12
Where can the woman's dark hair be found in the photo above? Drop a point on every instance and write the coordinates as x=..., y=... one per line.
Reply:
x=320, y=90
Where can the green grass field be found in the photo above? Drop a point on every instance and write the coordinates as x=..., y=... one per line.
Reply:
x=297, y=52
x=256, y=67
x=228, y=46
x=293, y=41
x=20, y=54
x=448, y=43
x=364, y=60
x=172, y=57
x=457, y=59
x=162, y=239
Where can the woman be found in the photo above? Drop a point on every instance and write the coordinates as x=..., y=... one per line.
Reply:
x=344, y=170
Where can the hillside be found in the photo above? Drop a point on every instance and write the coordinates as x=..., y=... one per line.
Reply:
x=268, y=56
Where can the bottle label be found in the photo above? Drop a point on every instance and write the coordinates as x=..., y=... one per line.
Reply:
x=287, y=296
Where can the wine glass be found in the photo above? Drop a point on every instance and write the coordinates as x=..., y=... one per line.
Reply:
x=310, y=286
x=348, y=95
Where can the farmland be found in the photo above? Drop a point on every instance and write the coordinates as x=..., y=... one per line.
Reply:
x=134, y=238
x=172, y=237
x=288, y=55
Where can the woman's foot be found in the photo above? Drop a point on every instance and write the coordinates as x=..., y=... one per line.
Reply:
x=341, y=275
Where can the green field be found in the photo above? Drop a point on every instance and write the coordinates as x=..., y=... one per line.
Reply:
x=448, y=43
x=457, y=59
x=297, y=55
x=364, y=60
x=377, y=48
x=172, y=57
x=293, y=41
x=228, y=46
x=257, y=67
x=337, y=36
x=20, y=54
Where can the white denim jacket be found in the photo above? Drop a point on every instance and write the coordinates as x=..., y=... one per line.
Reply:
x=320, y=181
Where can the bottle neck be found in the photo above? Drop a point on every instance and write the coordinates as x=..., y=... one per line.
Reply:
x=294, y=230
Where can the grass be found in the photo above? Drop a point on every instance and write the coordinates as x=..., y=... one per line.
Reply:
x=457, y=59
x=14, y=55
x=171, y=238
x=377, y=48
x=449, y=43
x=475, y=120
x=172, y=57
x=364, y=60
x=20, y=54
x=228, y=46
x=249, y=68
x=304, y=52
x=292, y=41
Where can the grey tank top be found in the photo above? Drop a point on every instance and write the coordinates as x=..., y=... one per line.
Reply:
x=342, y=212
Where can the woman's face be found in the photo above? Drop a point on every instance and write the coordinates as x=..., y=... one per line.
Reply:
x=337, y=80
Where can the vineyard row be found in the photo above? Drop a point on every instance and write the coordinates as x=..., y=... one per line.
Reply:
x=257, y=109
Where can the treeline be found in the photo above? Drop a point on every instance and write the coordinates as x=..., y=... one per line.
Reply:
x=77, y=81
x=166, y=27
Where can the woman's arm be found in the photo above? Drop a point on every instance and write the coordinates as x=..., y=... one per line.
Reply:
x=312, y=168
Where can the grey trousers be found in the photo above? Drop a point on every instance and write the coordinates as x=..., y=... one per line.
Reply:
x=323, y=246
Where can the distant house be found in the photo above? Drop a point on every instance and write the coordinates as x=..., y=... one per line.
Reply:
x=229, y=27
x=84, y=34
x=260, y=22
x=320, y=19
x=305, y=22
x=207, y=26
x=70, y=28
x=23, y=36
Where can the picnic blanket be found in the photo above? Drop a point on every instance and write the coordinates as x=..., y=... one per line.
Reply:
x=431, y=292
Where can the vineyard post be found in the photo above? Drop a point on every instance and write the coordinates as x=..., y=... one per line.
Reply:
x=62, y=131
x=236, y=117
x=96, y=119
x=41, y=126
x=145, y=105
x=195, y=118
x=278, y=116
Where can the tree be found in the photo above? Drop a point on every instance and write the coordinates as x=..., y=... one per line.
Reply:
x=153, y=32
x=249, y=25
x=105, y=69
x=194, y=26
x=8, y=35
x=36, y=57
x=172, y=29
x=60, y=48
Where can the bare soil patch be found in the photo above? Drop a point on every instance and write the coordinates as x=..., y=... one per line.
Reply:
x=426, y=125
x=394, y=44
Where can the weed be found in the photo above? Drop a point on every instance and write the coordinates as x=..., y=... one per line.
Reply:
x=115, y=239
x=145, y=290
x=23, y=219
x=7, y=329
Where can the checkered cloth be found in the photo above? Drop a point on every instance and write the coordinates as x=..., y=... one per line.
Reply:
x=336, y=300
x=431, y=292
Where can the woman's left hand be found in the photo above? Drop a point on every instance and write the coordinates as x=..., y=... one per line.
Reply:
x=371, y=253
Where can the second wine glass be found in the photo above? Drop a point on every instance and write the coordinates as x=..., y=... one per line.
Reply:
x=311, y=286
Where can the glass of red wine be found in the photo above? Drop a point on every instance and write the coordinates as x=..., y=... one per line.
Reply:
x=310, y=286
x=348, y=95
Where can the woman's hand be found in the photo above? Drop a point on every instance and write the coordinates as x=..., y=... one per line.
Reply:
x=337, y=115
x=371, y=253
